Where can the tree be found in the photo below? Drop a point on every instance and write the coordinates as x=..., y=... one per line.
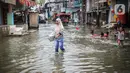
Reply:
x=40, y=1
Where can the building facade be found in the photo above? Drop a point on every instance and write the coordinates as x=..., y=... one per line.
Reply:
x=6, y=16
x=96, y=11
x=6, y=13
x=103, y=12
x=75, y=9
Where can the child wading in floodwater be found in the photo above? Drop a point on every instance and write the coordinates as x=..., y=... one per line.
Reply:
x=120, y=37
x=92, y=29
x=102, y=34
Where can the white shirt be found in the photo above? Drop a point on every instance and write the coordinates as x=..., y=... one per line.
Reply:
x=57, y=29
x=121, y=35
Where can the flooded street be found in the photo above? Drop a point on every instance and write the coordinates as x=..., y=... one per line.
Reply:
x=34, y=53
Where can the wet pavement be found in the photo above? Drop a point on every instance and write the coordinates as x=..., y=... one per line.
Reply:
x=34, y=53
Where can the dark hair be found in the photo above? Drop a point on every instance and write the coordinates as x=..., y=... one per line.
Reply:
x=107, y=33
x=123, y=29
x=92, y=32
x=102, y=34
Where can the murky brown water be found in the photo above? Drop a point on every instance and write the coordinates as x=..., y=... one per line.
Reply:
x=34, y=53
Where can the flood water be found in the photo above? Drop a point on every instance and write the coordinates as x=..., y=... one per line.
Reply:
x=34, y=53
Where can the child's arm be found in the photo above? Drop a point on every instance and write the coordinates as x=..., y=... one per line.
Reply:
x=123, y=33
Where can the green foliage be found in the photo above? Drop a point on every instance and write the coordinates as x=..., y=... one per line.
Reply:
x=40, y=1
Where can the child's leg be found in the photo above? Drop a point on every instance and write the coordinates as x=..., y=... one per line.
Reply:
x=115, y=37
x=122, y=42
x=92, y=32
x=56, y=46
x=119, y=42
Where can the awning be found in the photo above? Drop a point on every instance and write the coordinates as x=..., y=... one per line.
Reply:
x=75, y=9
x=101, y=1
x=27, y=2
x=60, y=14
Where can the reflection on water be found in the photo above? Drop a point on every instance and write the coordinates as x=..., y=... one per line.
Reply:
x=35, y=54
x=58, y=63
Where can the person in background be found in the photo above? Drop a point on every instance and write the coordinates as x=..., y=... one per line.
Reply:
x=59, y=35
x=92, y=30
x=121, y=36
x=102, y=34
x=115, y=32
x=106, y=35
x=76, y=20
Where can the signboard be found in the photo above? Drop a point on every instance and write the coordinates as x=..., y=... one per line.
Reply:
x=120, y=9
x=63, y=9
x=102, y=1
x=10, y=2
x=77, y=3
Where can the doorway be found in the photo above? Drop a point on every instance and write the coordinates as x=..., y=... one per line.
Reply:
x=4, y=15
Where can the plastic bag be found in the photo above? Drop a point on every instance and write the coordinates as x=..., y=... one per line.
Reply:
x=52, y=36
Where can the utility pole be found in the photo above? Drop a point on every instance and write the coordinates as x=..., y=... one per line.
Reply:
x=83, y=11
x=97, y=21
x=64, y=4
x=49, y=8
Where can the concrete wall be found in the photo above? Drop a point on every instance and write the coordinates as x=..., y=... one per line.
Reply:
x=10, y=18
x=111, y=18
x=88, y=5
x=94, y=3
x=4, y=30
